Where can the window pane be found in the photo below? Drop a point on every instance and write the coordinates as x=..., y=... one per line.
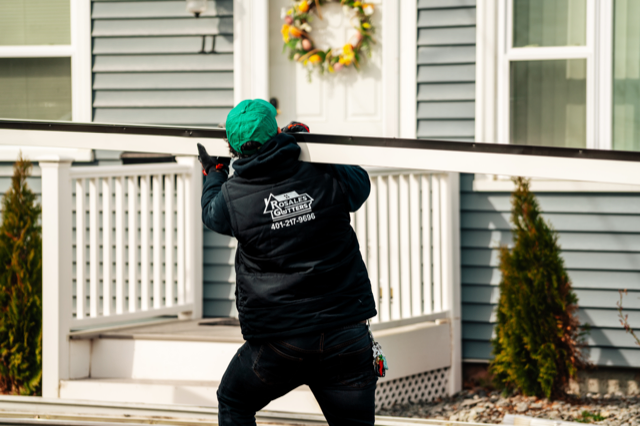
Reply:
x=549, y=23
x=37, y=88
x=626, y=75
x=34, y=22
x=548, y=103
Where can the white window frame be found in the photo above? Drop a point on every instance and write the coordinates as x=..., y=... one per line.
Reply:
x=79, y=51
x=495, y=54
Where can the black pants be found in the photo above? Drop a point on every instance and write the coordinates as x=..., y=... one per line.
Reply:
x=337, y=365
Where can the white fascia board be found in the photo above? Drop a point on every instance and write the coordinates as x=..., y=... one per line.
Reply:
x=10, y=153
x=536, y=166
x=36, y=51
x=489, y=183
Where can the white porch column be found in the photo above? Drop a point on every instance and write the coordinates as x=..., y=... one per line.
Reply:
x=193, y=234
x=450, y=225
x=56, y=272
x=251, y=49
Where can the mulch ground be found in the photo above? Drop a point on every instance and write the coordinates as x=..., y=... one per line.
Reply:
x=482, y=406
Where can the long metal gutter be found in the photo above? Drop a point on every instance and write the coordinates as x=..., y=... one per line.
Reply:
x=424, y=154
x=25, y=410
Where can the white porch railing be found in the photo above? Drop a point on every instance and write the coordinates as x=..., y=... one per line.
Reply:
x=409, y=238
x=408, y=232
x=133, y=262
x=137, y=251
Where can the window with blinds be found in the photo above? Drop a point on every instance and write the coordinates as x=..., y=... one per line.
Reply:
x=35, y=81
x=547, y=73
x=626, y=75
x=549, y=23
x=35, y=88
x=35, y=22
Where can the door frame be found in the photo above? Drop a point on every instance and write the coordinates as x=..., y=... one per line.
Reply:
x=251, y=60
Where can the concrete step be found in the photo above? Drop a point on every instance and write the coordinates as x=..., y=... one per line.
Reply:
x=178, y=350
x=185, y=351
x=183, y=392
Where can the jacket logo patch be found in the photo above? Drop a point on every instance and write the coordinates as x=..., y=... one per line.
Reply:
x=286, y=206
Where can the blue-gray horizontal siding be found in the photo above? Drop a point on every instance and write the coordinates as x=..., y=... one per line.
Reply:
x=147, y=69
x=146, y=65
x=446, y=55
x=219, y=275
x=599, y=234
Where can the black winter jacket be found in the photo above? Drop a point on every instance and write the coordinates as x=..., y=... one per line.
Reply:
x=298, y=263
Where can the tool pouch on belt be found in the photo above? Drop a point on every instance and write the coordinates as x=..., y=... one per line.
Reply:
x=379, y=360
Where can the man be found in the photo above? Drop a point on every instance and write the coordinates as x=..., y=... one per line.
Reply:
x=302, y=289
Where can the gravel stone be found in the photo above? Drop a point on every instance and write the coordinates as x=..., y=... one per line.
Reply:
x=482, y=406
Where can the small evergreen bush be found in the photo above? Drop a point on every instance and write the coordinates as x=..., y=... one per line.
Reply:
x=20, y=287
x=537, y=347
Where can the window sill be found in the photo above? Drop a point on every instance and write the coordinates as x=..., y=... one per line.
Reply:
x=495, y=183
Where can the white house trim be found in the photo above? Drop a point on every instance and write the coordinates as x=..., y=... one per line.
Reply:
x=81, y=81
x=485, y=111
x=604, y=69
x=493, y=183
x=391, y=60
x=36, y=51
x=10, y=153
x=250, y=50
x=408, y=70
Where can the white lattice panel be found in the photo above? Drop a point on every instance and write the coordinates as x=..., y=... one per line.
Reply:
x=418, y=387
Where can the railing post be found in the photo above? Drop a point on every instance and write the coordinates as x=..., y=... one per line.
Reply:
x=450, y=240
x=193, y=235
x=56, y=272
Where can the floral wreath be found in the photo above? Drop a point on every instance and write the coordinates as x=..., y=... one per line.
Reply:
x=296, y=36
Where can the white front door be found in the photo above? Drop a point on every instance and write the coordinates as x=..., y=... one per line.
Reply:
x=347, y=102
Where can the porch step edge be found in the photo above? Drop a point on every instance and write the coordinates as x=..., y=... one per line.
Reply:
x=174, y=392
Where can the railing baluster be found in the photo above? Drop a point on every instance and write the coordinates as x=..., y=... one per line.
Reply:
x=93, y=247
x=132, y=194
x=80, y=249
x=180, y=235
x=157, y=241
x=168, y=239
x=446, y=242
x=383, y=248
x=372, y=245
x=119, y=260
x=405, y=248
x=437, y=244
x=394, y=248
x=188, y=241
x=427, y=257
x=107, y=297
x=415, y=241
x=361, y=230
x=138, y=227
x=145, y=186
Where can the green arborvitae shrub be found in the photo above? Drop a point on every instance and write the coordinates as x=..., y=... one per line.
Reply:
x=537, y=347
x=20, y=287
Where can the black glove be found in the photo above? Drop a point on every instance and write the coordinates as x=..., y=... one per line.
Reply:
x=295, y=127
x=210, y=164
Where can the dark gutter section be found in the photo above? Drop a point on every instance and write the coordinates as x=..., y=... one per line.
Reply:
x=428, y=144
